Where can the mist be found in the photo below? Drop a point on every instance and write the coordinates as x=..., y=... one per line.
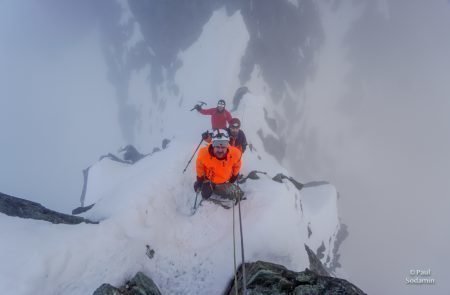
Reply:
x=365, y=108
x=375, y=123
x=57, y=109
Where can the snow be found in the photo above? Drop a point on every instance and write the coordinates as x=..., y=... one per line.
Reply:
x=149, y=203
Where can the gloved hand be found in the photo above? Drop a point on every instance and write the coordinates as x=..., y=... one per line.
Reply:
x=233, y=178
x=198, y=184
x=198, y=107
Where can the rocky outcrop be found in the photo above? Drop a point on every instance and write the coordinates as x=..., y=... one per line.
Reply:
x=131, y=154
x=270, y=278
x=279, y=178
x=238, y=95
x=251, y=175
x=315, y=183
x=273, y=145
x=17, y=207
x=314, y=263
x=82, y=209
x=139, y=285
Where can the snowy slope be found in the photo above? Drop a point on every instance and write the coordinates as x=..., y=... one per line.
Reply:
x=149, y=203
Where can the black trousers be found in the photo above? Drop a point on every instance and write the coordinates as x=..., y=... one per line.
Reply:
x=207, y=189
x=225, y=190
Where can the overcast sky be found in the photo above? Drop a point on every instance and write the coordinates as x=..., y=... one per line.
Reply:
x=379, y=129
x=57, y=109
x=376, y=119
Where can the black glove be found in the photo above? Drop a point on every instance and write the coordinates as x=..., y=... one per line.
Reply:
x=198, y=184
x=233, y=178
x=198, y=107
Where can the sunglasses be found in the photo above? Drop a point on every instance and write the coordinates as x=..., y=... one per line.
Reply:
x=220, y=143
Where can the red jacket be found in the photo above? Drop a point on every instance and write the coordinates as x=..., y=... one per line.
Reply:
x=218, y=120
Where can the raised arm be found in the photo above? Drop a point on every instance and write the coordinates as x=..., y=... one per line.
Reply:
x=207, y=111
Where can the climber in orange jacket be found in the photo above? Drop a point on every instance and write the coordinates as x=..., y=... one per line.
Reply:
x=217, y=163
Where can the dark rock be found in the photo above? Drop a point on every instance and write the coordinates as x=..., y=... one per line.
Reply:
x=272, y=123
x=80, y=210
x=114, y=158
x=315, y=183
x=106, y=289
x=322, y=285
x=149, y=252
x=280, y=176
x=238, y=95
x=165, y=143
x=315, y=264
x=131, y=154
x=297, y=184
x=342, y=234
x=17, y=207
x=320, y=251
x=252, y=175
x=139, y=285
x=269, y=278
x=273, y=145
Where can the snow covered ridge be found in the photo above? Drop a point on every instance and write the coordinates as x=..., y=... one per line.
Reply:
x=148, y=204
x=145, y=207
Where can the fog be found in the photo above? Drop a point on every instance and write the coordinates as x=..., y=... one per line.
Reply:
x=378, y=128
x=372, y=118
x=57, y=109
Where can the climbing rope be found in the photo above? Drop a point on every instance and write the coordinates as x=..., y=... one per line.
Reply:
x=234, y=254
x=244, y=282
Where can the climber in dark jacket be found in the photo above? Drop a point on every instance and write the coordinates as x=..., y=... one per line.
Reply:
x=237, y=136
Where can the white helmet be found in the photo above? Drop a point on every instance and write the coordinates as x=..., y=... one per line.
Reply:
x=220, y=137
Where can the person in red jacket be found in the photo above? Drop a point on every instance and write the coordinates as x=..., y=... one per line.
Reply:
x=219, y=115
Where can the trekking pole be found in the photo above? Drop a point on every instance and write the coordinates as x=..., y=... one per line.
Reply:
x=194, y=209
x=193, y=155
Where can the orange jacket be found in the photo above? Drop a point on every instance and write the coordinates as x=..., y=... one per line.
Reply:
x=218, y=170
